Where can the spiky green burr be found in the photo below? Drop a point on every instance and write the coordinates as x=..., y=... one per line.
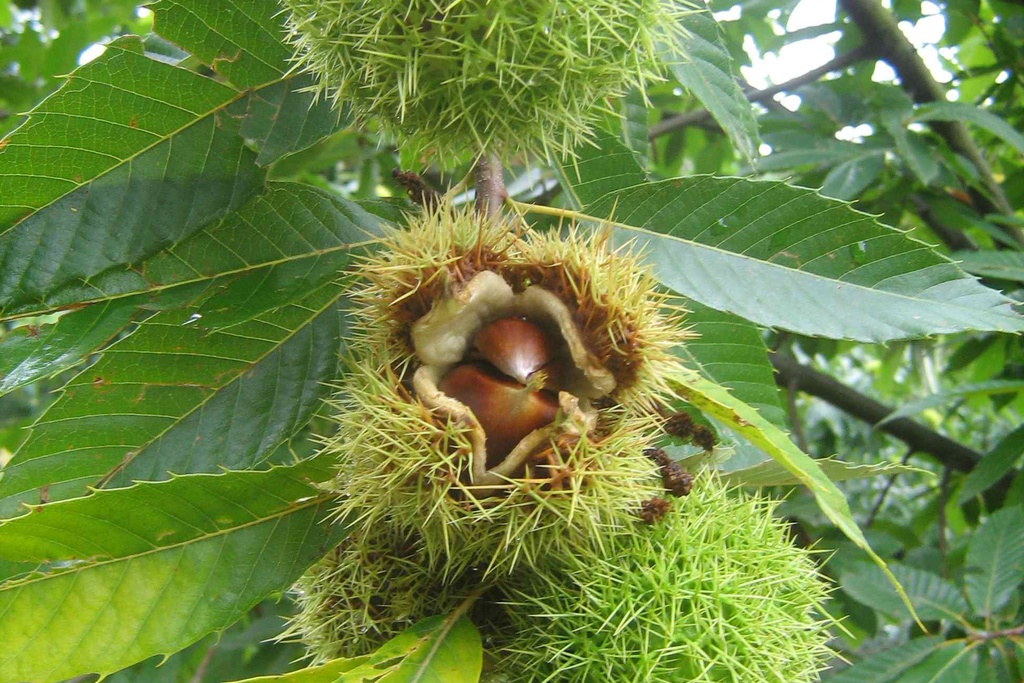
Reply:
x=713, y=593
x=368, y=589
x=570, y=584
x=469, y=75
x=409, y=460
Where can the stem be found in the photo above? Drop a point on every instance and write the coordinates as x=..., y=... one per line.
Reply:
x=880, y=501
x=992, y=635
x=490, y=185
x=203, y=665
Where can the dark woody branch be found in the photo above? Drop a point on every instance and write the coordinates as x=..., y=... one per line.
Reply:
x=792, y=374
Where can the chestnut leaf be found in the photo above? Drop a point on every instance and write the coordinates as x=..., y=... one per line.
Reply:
x=104, y=175
x=434, y=650
x=788, y=258
x=147, y=570
x=780, y=256
x=183, y=395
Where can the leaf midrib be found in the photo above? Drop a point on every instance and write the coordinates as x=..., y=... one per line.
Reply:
x=288, y=508
x=136, y=451
x=156, y=289
x=781, y=268
x=272, y=348
x=199, y=117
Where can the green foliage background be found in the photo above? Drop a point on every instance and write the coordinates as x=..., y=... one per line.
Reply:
x=176, y=216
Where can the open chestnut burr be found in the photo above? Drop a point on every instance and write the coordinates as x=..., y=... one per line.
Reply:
x=513, y=368
x=502, y=389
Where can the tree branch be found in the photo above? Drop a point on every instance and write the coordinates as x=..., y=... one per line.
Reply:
x=914, y=434
x=701, y=117
x=879, y=27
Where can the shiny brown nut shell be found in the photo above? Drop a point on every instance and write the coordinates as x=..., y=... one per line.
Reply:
x=506, y=410
x=515, y=346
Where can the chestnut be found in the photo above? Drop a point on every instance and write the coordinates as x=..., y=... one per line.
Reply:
x=506, y=410
x=516, y=346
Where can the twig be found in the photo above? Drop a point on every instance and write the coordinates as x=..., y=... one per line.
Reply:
x=490, y=185
x=951, y=237
x=992, y=635
x=917, y=436
x=876, y=508
x=702, y=116
x=197, y=677
x=941, y=516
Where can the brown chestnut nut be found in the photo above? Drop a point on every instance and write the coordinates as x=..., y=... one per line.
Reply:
x=515, y=346
x=505, y=409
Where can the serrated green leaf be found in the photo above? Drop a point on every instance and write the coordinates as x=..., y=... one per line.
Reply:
x=102, y=175
x=962, y=111
x=31, y=352
x=285, y=242
x=954, y=662
x=990, y=388
x=718, y=403
x=448, y=650
x=730, y=351
x=701, y=63
x=109, y=192
x=434, y=650
x=634, y=124
x=289, y=241
x=773, y=473
x=175, y=397
x=242, y=41
x=1005, y=265
x=885, y=666
x=331, y=672
x=995, y=560
x=284, y=117
x=994, y=465
x=93, y=124
x=847, y=180
x=787, y=257
x=597, y=169
x=149, y=569
x=934, y=597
